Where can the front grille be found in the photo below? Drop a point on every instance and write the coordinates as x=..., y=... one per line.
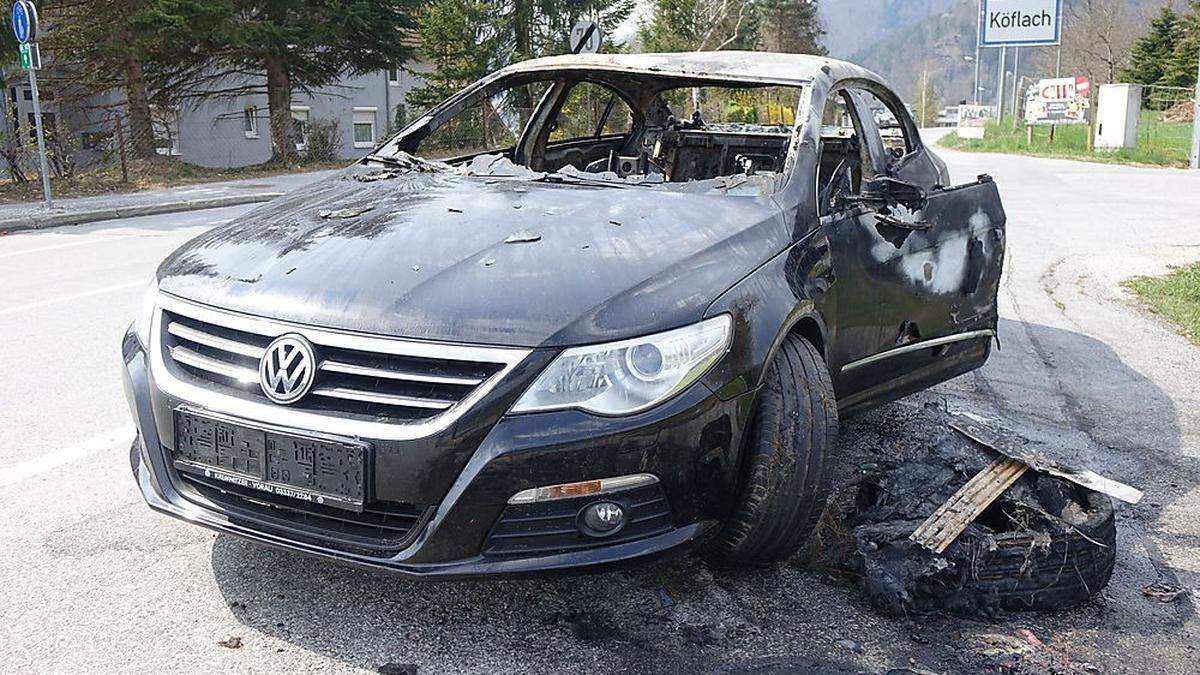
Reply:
x=381, y=529
x=549, y=528
x=368, y=384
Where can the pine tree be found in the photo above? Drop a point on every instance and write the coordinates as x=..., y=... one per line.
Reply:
x=165, y=51
x=101, y=45
x=1153, y=52
x=454, y=38
x=467, y=39
x=1180, y=69
x=792, y=26
x=307, y=44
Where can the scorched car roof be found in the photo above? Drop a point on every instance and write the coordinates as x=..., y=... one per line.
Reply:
x=767, y=67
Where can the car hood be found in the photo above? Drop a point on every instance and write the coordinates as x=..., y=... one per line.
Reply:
x=439, y=256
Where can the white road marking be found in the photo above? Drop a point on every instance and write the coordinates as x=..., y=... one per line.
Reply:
x=106, y=239
x=73, y=244
x=69, y=298
x=25, y=470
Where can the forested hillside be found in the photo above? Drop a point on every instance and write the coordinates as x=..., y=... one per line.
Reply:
x=902, y=40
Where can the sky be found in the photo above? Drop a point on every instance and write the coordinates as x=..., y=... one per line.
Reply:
x=630, y=26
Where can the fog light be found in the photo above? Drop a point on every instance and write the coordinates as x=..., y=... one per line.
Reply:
x=603, y=518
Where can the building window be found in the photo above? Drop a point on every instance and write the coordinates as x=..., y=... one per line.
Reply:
x=250, y=121
x=300, y=117
x=393, y=76
x=364, y=127
x=43, y=95
x=49, y=124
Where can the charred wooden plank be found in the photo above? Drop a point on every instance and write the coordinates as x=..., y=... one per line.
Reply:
x=943, y=527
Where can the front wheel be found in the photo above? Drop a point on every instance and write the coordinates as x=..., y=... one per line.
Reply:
x=785, y=478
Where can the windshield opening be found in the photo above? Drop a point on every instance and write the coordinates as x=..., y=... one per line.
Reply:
x=612, y=129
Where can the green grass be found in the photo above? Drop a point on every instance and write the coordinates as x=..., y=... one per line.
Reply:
x=1159, y=143
x=1175, y=296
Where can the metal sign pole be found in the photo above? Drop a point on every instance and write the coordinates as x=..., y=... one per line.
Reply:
x=1016, y=80
x=41, y=139
x=1196, y=122
x=978, y=49
x=1062, y=27
x=1000, y=89
x=25, y=29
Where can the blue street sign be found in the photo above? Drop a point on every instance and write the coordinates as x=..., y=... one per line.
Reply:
x=24, y=20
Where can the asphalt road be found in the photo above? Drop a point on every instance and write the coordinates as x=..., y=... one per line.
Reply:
x=90, y=579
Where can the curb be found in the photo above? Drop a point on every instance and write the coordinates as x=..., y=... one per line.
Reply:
x=38, y=222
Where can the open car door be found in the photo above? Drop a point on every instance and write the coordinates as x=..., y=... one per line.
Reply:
x=938, y=270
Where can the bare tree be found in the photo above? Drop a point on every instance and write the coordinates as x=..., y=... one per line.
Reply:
x=716, y=15
x=700, y=25
x=1098, y=38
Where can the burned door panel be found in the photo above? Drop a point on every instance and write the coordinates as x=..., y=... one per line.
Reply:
x=840, y=281
x=939, y=270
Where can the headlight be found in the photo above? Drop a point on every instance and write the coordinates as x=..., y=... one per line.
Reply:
x=622, y=378
x=145, y=317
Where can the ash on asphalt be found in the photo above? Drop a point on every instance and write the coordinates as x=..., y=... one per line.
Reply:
x=677, y=616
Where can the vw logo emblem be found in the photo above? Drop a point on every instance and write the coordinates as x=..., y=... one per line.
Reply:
x=288, y=369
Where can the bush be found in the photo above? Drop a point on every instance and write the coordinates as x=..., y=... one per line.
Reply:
x=324, y=141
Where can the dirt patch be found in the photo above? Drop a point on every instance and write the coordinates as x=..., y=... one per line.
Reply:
x=1183, y=111
x=146, y=175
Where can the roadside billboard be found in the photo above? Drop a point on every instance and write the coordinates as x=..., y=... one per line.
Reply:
x=973, y=119
x=1020, y=23
x=1061, y=100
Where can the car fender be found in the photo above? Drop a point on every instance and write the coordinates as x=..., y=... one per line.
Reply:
x=767, y=305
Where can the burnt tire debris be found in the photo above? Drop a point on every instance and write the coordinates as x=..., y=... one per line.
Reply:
x=1044, y=544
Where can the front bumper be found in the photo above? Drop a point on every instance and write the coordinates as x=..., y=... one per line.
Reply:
x=692, y=444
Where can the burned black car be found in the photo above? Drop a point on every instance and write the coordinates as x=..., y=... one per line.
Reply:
x=589, y=311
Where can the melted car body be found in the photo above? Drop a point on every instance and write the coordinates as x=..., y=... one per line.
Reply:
x=577, y=270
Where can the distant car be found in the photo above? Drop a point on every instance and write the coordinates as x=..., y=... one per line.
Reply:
x=948, y=116
x=589, y=311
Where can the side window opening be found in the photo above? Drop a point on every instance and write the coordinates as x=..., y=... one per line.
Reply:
x=843, y=155
x=592, y=111
x=590, y=130
x=888, y=122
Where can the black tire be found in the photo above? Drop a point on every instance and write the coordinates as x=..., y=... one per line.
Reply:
x=785, y=478
x=1069, y=569
x=1045, y=544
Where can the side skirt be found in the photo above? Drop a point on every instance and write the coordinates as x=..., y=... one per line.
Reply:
x=918, y=346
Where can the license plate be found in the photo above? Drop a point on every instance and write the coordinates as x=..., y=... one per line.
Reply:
x=318, y=470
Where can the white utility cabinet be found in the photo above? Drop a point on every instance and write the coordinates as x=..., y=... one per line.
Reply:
x=1118, y=113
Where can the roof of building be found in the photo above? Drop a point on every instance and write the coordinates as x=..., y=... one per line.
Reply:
x=727, y=65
